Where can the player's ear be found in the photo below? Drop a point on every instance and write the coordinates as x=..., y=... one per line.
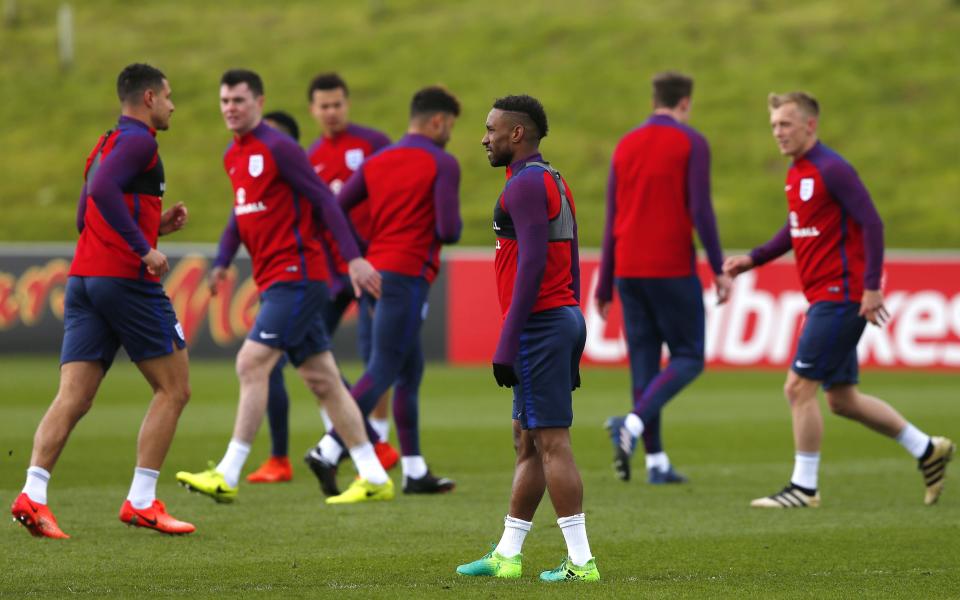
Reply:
x=149, y=97
x=516, y=136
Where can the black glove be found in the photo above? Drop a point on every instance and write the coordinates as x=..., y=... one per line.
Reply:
x=576, y=381
x=505, y=375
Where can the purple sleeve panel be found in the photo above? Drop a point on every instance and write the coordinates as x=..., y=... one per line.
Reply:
x=776, y=246
x=296, y=170
x=81, y=208
x=699, y=204
x=131, y=154
x=354, y=191
x=845, y=186
x=376, y=139
x=446, y=199
x=525, y=199
x=229, y=243
x=605, y=283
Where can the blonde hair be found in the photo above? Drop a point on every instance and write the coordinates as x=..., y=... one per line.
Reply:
x=804, y=101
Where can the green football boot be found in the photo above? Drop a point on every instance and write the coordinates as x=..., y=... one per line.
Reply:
x=493, y=565
x=567, y=571
x=362, y=490
x=209, y=483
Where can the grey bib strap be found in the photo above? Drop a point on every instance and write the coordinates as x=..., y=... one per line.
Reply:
x=561, y=227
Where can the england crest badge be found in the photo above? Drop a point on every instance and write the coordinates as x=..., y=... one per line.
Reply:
x=255, y=166
x=353, y=158
x=806, y=188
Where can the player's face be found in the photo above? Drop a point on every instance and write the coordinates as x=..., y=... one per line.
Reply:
x=161, y=107
x=792, y=129
x=497, y=139
x=241, y=110
x=331, y=109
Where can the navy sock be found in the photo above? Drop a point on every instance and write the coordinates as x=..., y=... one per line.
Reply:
x=278, y=413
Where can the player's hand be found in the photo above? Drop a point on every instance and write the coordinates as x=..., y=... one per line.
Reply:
x=603, y=307
x=872, y=308
x=364, y=278
x=724, y=285
x=734, y=265
x=156, y=262
x=505, y=375
x=576, y=380
x=215, y=277
x=173, y=219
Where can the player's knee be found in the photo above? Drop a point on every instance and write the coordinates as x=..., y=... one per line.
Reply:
x=77, y=405
x=321, y=383
x=551, y=447
x=248, y=368
x=840, y=404
x=795, y=391
x=181, y=393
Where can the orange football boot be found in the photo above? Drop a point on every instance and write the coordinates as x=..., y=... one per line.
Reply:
x=274, y=470
x=155, y=517
x=37, y=518
x=387, y=454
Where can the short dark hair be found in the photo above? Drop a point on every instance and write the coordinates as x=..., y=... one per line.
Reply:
x=285, y=121
x=670, y=87
x=529, y=106
x=434, y=99
x=237, y=76
x=325, y=82
x=136, y=78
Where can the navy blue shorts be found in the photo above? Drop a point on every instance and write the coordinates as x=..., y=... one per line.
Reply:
x=291, y=319
x=550, y=349
x=100, y=314
x=827, y=350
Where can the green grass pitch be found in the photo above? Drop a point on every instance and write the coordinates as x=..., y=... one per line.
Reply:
x=729, y=432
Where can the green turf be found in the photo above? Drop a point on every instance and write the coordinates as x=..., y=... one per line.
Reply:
x=885, y=73
x=729, y=433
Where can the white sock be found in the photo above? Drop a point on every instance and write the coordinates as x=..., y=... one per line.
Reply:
x=382, y=427
x=805, y=468
x=143, y=490
x=414, y=467
x=368, y=465
x=514, y=532
x=36, y=486
x=330, y=450
x=634, y=425
x=914, y=440
x=327, y=423
x=658, y=460
x=574, y=530
x=232, y=462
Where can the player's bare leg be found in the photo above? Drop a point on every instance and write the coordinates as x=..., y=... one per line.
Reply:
x=254, y=363
x=170, y=379
x=79, y=382
x=932, y=453
x=847, y=401
x=322, y=376
x=807, y=419
x=78, y=385
x=801, y=393
x=169, y=376
x=529, y=482
x=559, y=470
